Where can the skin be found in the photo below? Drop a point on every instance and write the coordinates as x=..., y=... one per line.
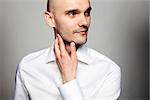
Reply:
x=70, y=22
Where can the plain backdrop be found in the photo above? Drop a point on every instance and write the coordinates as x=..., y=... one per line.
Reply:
x=119, y=30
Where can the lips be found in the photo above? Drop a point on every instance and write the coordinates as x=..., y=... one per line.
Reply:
x=83, y=32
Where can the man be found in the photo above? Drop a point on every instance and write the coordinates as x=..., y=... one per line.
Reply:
x=68, y=70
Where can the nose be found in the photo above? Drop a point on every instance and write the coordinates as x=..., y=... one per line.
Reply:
x=83, y=20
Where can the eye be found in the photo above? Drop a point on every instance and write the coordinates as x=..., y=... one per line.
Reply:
x=87, y=13
x=72, y=13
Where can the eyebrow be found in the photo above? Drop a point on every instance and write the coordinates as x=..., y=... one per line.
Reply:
x=75, y=10
x=71, y=10
x=89, y=9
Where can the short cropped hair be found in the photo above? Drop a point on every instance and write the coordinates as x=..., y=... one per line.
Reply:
x=48, y=6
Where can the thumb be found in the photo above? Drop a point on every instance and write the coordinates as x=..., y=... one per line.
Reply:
x=73, y=51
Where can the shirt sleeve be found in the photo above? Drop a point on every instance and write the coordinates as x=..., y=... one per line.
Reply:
x=110, y=89
x=20, y=90
x=71, y=91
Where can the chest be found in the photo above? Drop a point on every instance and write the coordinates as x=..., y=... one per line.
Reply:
x=42, y=82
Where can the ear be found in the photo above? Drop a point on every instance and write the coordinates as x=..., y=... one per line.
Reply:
x=49, y=18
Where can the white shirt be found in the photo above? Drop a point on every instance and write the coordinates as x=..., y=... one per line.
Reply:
x=38, y=77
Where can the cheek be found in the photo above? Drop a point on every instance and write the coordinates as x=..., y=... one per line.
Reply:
x=89, y=21
x=67, y=27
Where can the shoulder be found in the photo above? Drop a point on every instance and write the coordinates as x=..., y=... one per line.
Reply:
x=99, y=58
x=34, y=57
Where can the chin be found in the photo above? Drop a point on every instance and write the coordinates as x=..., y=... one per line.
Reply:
x=80, y=42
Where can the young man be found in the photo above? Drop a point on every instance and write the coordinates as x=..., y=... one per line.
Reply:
x=68, y=70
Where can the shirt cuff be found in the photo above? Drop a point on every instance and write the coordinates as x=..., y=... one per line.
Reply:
x=71, y=91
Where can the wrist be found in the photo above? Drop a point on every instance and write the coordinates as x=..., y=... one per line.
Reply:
x=65, y=80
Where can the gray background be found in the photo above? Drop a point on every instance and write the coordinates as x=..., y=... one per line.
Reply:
x=119, y=30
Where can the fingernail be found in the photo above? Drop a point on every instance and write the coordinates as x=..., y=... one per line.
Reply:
x=72, y=44
x=57, y=35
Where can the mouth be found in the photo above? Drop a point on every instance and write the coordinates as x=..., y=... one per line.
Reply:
x=83, y=32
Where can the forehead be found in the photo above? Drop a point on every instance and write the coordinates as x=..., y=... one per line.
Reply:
x=63, y=5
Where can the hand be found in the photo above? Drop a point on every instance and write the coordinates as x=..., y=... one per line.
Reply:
x=67, y=62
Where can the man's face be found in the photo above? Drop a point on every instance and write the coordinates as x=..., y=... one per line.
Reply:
x=72, y=20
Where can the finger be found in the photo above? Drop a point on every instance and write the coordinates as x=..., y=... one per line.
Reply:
x=61, y=44
x=58, y=64
x=56, y=49
x=73, y=51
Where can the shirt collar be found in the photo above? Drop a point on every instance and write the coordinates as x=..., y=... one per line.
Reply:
x=82, y=54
